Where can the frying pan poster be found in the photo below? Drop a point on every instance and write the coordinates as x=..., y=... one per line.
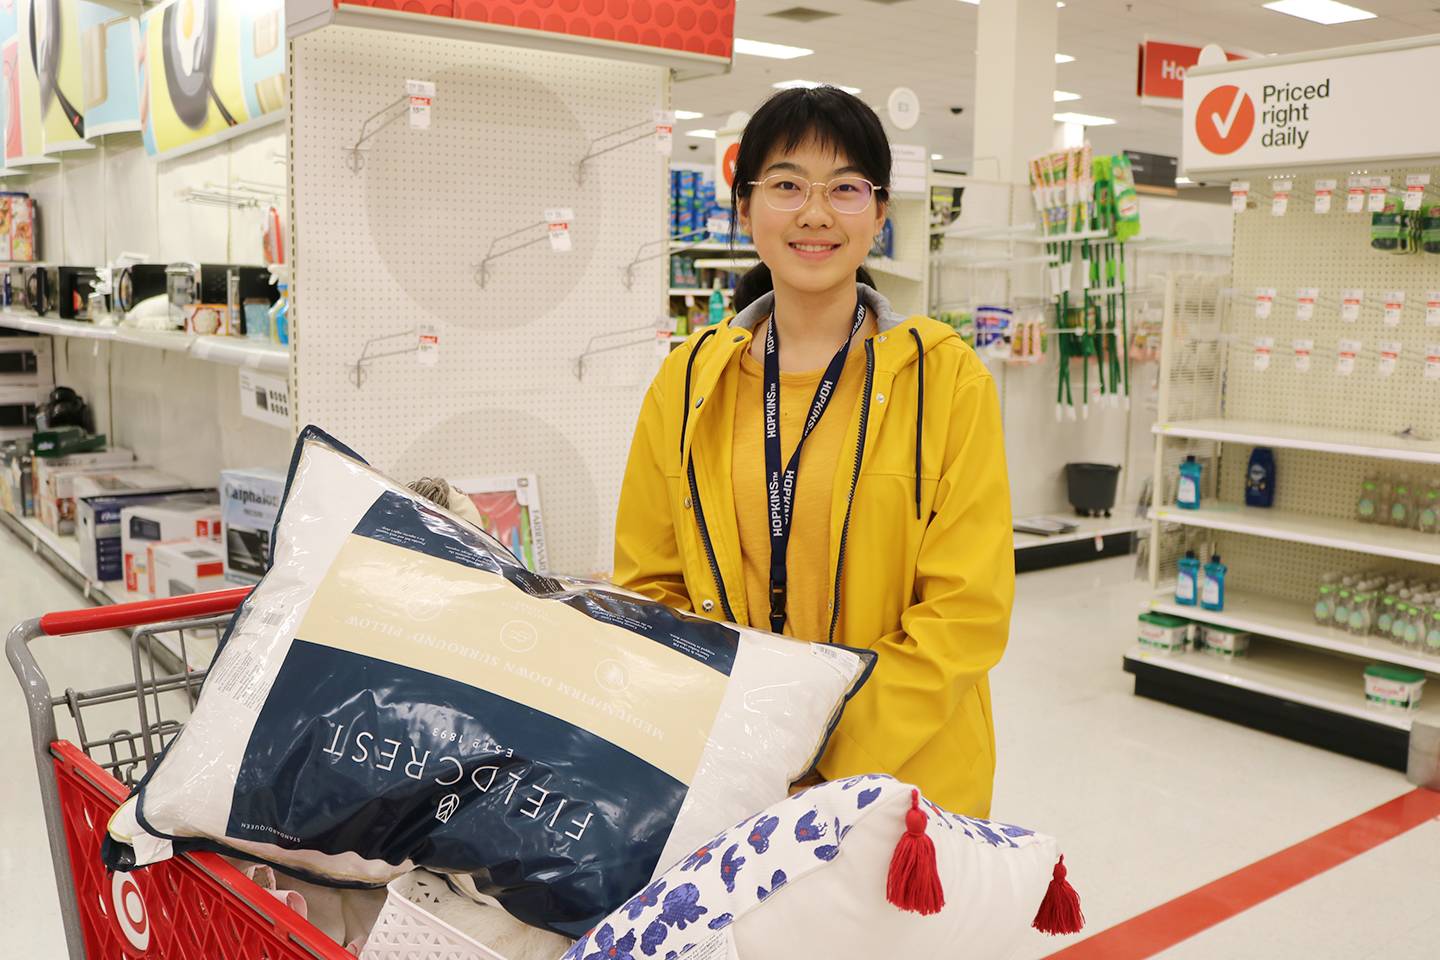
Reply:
x=209, y=68
x=110, y=86
x=24, y=123
x=52, y=29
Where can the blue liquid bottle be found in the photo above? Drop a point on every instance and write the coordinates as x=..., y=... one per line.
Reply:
x=1187, y=580
x=1212, y=593
x=1188, y=495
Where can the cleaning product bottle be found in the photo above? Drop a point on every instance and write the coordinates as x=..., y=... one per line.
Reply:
x=717, y=305
x=1187, y=579
x=1401, y=507
x=1344, y=596
x=1260, y=479
x=1368, y=505
x=1427, y=509
x=1402, y=614
x=1188, y=496
x=1385, y=618
x=1325, y=599
x=1432, y=634
x=1212, y=596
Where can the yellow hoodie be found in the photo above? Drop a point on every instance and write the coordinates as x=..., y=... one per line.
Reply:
x=924, y=570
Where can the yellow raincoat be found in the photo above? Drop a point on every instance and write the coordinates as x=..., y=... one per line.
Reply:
x=924, y=572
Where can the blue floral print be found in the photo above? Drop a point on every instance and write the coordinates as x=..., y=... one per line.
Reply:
x=730, y=866
x=759, y=837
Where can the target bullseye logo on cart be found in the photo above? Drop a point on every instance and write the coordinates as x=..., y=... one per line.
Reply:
x=128, y=910
x=1225, y=120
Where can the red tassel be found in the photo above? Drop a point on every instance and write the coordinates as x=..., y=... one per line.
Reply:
x=1060, y=910
x=914, y=882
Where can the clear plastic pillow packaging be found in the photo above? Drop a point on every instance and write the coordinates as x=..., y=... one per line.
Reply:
x=399, y=691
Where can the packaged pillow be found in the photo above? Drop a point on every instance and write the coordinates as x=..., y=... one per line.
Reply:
x=399, y=691
x=864, y=867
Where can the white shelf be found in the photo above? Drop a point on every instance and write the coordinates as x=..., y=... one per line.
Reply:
x=1086, y=528
x=1373, y=539
x=1355, y=443
x=233, y=351
x=1288, y=620
x=698, y=292
x=1287, y=673
x=710, y=246
x=896, y=268
x=726, y=263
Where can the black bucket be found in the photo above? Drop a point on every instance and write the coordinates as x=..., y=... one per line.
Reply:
x=1092, y=487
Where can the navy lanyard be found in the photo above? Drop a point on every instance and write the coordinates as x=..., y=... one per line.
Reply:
x=780, y=485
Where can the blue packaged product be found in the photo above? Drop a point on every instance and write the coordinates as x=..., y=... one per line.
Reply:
x=1187, y=580
x=1187, y=495
x=1260, y=478
x=1212, y=593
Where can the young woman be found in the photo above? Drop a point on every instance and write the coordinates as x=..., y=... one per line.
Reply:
x=822, y=467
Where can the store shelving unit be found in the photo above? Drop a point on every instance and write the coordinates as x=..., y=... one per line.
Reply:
x=62, y=553
x=1329, y=429
x=234, y=351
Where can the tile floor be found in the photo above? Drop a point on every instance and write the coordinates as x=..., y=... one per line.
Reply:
x=1149, y=801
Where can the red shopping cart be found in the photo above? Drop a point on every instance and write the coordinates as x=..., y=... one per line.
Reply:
x=195, y=906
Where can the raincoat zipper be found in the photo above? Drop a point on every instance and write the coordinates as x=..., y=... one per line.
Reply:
x=709, y=547
x=854, y=483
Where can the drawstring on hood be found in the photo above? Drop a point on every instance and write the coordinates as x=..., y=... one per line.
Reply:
x=919, y=420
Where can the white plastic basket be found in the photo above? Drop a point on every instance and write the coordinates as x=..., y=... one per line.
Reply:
x=423, y=919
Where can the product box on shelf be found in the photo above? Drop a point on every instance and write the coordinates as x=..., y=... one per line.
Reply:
x=18, y=234
x=16, y=495
x=1225, y=642
x=192, y=516
x=1387, y=686
x=27, y=360
x=1160, y=631
x=97, y=530
x=176, y=569
x=249, y=501
x=54, y=483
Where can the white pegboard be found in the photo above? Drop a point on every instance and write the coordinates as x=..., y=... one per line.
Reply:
x=397, y=244
x=1332, y=252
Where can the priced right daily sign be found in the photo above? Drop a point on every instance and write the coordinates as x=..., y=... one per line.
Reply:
x=1310, y=109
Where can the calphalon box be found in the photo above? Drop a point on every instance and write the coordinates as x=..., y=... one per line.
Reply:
x=249, y=501
x=191, y=516
x=194, y=566
x=97, y=528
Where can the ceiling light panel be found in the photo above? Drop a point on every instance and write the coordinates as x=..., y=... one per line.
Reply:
x=773, y=51
x=1325, y=12
x=1084, y=119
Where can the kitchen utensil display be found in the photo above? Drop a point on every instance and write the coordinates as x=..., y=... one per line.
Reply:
x=45, y=54
x=188, y=32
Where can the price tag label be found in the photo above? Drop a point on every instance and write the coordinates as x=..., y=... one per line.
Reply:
x=1345, y=360
x=1264, y=347
x=664, y=335
x=427, y=347
x=1432, y=308
x=1379, y=193
x=559, y=221
x=1324, y=192
x=665, y=132
x=1280, y=199
x=1303, y=350
x=1355, y=195
x=1239, y=195
x=1305, y=298
x=1432, y=362
x=1389, y=357
x=1415, y=185
x=1350, y=303
x=1264, y=302
x=265, y=398
x=1394, y=307
x=422, y=98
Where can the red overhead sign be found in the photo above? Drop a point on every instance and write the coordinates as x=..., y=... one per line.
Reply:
x=1161, y=77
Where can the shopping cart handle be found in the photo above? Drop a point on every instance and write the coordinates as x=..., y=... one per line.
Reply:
x=142, y=612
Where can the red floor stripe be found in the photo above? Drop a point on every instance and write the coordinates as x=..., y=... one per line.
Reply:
x=1197, y=911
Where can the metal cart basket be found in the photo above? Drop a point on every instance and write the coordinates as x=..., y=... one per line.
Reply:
x=195, y=906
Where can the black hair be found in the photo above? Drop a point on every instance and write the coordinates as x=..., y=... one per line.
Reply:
x=832, y=118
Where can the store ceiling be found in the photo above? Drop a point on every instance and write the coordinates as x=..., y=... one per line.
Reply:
x=929, y=46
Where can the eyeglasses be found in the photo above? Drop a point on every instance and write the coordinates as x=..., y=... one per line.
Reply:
x=787, y=193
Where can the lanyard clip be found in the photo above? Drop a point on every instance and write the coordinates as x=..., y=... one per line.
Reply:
x=779, y=596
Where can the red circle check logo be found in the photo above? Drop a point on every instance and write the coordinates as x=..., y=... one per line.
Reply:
x=732, y=153
x=1225, y=120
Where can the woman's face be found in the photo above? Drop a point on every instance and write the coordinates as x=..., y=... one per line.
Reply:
x=815, y=248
